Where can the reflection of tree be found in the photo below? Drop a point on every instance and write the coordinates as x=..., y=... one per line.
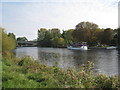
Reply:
x=64, y=60
x=119, y=62
x=79, y=58
x=48, y=58
x=70, y=58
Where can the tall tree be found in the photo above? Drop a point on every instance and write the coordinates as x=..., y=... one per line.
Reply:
x=55, y=32
x=98, y=36
x=107, y=36
x=118, y=37
x=47, y=39
x=67, y=35
x=8, y=43
x=84, y=32
x=11, y=35
x=22, y=39
x=44, y=37
x=58, y=42
x=114, y=42
x=41, y=33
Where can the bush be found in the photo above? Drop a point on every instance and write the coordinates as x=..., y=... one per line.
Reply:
x=27, y=73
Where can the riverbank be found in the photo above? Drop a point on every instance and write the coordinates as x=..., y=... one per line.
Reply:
x=97, y=47
x=66, y=47
x=28, y=73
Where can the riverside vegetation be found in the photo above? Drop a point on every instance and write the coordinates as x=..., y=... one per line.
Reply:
x=28, y=73
x=84, y=32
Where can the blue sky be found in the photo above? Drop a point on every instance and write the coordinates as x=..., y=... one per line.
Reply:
x=25, y=17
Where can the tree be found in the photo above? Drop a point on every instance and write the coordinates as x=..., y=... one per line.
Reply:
x=44, y=37
x=8, y=42
x=11, y=35
x=67, y=35
x=114, y=42
x=47, y=37
x=41, y=33
x=107, y=36
x=58, y=42
x=1, y=31
x=85, y=32
x=61, y=42
x=118, y=30
x=22, y=39
x=98, y=36
x=55, y=32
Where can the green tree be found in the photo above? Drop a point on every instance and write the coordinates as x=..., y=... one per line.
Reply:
x=85, y=32
x=44, y=37
x=1, y=31
x=55, y=32
x=98, y=36
x=67, y=35
x=41, y=33
x=118, y=30
x=8, y=42
x=22, y=39
x=58, y=42
x=11, y=35
x=114, y=42
x=47, y=38
x=61, y=42
x=107, y=36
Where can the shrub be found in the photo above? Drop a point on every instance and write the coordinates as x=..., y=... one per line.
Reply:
x=27, y=73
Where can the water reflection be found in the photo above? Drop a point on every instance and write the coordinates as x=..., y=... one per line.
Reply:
x=106, y=61
x=27, y=51
x=119, y=62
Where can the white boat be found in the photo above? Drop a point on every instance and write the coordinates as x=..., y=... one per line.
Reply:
x=111, y=47
x=78, y=46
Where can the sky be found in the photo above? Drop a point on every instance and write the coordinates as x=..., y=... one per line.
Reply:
x=25, y=17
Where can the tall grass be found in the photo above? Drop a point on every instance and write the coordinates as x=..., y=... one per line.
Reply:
x=28, y=73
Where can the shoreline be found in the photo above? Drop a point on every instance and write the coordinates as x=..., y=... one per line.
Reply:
x=66, y=47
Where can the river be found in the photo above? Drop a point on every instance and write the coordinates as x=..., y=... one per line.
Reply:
x=106, y=61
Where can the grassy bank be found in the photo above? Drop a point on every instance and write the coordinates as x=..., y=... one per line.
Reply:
x=28, y=73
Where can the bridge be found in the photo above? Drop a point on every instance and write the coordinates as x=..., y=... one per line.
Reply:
x=26, y=43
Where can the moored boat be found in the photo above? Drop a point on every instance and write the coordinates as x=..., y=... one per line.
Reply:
x=78, y=46
x=111, y=47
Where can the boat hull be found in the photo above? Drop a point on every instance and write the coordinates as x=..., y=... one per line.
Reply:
x=78, y=48
x=112, y=47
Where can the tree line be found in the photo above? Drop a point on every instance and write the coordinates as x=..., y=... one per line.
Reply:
x=84, y=32
x=53, y=37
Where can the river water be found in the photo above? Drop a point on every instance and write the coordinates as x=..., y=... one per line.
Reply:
x=106, y=61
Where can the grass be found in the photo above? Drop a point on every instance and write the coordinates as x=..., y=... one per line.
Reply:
x=28, y=73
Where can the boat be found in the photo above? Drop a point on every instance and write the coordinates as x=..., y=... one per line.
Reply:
x=111, y=47
x=78, y=46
